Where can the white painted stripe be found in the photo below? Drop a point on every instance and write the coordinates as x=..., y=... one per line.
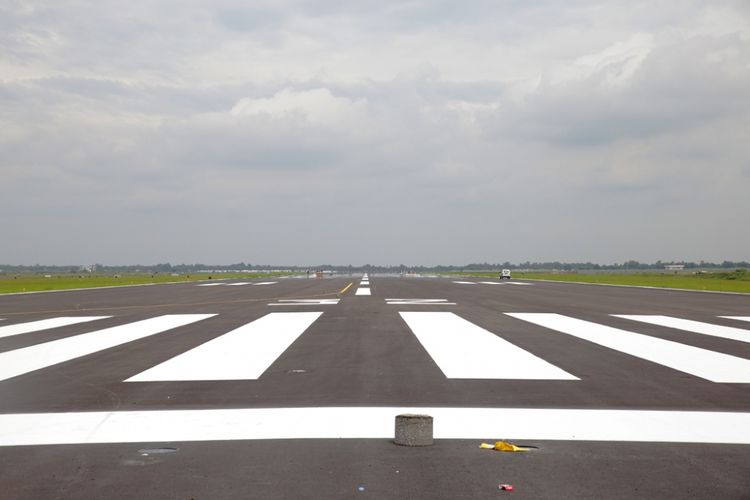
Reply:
x=725, y=332
x=491, y=283
x=519, y=283
x=238, y=284
x=166, y=426
x=305, y=302
x=464, y=350
x=211, y=284
x=363, y=291
x=28, y=359
x=245, y=353
x=738, y=318
x=420, y=302
x=265, y=283
x=465, y=282
x=710, y=365
x=45, y=324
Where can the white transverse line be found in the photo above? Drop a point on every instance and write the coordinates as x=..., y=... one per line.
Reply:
x=465, y=282
x=372, y=422
x=242, y=354
x=363, y=291
x=710, y=365
x=211, y=284
x=27, y=359
x=239, y=284
x=725, y=332
x=45, y=324
x=464, y=350
x=419, y=302
x=738, y=318
x=265, y=283
x=305, y=302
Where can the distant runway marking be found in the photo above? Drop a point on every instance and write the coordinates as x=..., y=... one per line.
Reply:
x=210, y=284
x=238, y=284
x=726, y=332
x=362, y=291
x=465, y=282
x=28, y=359
x=265, y=283
x=709, y=365
x=305, y=302
x=738, y=318
x=518, y=283
x=245, y=353
x=464, y=350
x=491, y=283
x=164, y=426
x=45, y=324
x=419, y=302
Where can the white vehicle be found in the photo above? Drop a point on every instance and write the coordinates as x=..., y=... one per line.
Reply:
x=505, y=274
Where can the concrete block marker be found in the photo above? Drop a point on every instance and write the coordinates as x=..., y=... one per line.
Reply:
x=413, y=430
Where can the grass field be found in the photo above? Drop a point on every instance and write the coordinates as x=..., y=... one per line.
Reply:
x=12, y=283
x=735, y=281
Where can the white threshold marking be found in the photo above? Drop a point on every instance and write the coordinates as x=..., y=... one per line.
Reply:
x=738, y=318
x=165, y=426
x=28, y=359
x=465, y=282
x=419, y=302
x=362, y=291
x=45, y=324
x=245, y=353
x=305, y=302
x=211, y=284
x=709, y=365
x=265, y=283
x=464, y=350
x=725, y=332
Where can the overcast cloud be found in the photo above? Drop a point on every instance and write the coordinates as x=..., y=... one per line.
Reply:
x=331, y=131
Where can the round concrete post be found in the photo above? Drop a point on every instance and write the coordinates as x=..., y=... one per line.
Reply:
x=413, y=430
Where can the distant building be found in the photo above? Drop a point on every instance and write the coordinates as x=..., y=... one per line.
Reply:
x=674, y=267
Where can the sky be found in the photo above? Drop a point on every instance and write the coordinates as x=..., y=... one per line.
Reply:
x=306, y=132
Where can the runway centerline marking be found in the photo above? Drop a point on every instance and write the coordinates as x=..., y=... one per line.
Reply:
x=244, y=353
x=28, y=359
x=709, y=365
x=265, y=283
x=725, y=332
x=238, y=284
x=464, y=350
x=165, y=426
x=45, y=324
x=362, y=291
x=465, y=282
x=491, y=283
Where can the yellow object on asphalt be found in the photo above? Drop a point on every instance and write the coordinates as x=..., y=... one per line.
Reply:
x=502, y=446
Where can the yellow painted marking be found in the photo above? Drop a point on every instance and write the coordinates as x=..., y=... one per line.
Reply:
x=345, y=288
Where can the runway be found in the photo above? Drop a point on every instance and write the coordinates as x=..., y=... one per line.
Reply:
x=645, y=390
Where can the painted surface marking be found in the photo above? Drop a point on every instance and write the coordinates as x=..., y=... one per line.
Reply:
x=265, y=283
x=243, y=283
x=725, y=332
x=710, y=365
x=518, y=283
x=738, y=318
x=45, y=324
x=305, y=302
x=419, y=302
x=163, y=426
x=210, y=284
x=28, y=359
x=245, y=353
x=491, y=283
x=362, y=291
x=465, y=282
x=464, y=350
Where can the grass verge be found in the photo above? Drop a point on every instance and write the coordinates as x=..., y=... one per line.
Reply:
x=14, y=283
x=735, y=281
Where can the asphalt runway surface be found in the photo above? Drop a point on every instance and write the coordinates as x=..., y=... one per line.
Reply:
x=288, y=388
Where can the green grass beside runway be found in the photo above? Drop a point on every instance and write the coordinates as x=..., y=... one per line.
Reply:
x=13, y=283
x=734, y=281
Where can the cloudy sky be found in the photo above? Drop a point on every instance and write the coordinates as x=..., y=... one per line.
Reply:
x=352, y=132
